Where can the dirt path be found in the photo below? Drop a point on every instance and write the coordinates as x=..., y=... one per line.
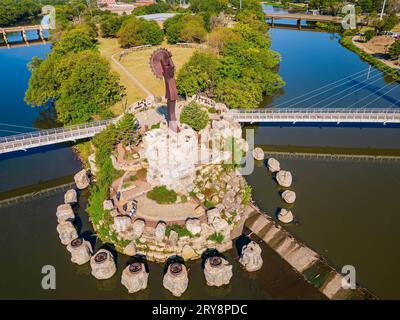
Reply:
x=131, y=76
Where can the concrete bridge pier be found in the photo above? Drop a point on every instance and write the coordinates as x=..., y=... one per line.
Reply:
x=41, y=35
x=272, y=22
x=6, y=39
x=299, y=24
x=23, y=33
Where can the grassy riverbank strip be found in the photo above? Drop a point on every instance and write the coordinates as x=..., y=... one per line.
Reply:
x=347, y=42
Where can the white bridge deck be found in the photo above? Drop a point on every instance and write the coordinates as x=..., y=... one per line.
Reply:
x=51, y=136
x=294, y=115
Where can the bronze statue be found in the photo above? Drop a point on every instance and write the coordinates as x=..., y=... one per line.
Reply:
x=163, y=67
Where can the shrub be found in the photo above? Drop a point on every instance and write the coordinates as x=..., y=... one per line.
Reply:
x=369, y=34
x=162, y=195
x=394, y=50
x=181, y=231
x=193, y=115
x=216, y=237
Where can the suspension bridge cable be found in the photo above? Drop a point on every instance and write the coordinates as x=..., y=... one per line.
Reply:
x=380, y=97
x=371, y=94
x=349, y=88
x=323, y=87
x=17, y=126
x=10, y=131
x=377, y=76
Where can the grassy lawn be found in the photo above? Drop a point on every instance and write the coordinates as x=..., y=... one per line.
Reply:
x=137, y=64
x=107, y=48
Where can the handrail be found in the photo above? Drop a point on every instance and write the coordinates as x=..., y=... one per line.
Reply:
x=54, y=131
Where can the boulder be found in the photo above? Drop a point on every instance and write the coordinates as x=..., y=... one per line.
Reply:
x=289, y=196
x=217, y=271
x=285, y=216
x=193, y=226
x=66, y=232
x=130, y=249
x=176, y=279
x=71, y=197
x=92, y=163
x=212, y=214
x=108, y=205
x=134, y=277
x=82, y=179
x=258, y=153
x=81, y=251
x=65, y=213
x=159, y=232
x=188, y=253
x=206, y=230
x=138, y=228
x=122, y=223
x=273, y=165
x=173, y=238
x=103, y=265
x=284, y=178
x=220, y=225
x=251, y=257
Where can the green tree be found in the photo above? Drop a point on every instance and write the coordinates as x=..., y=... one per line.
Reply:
x=193, y=29
x=126, y=129
x=88, y=91
x=240, y=93
x=135, y=32
x=110, y=25
x=194, y=116
x=394, y=50
x=197, y=74
x=75, y=40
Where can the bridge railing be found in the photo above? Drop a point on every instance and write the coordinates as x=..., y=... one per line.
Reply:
x=348, y=111
x=55, y=131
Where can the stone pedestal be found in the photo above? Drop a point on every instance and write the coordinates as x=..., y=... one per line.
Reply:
x=176, y=279
x=134, y=277
x=81, y=251
x=218, y=271
x=172, y=158
x=66, y=232
x=103, y=265
x=251, y=257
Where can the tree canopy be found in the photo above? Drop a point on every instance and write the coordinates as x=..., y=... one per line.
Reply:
x=75, y=78
x=135, y=32
x=194, y=116
x=394, y=50
x=185, y=28
x=241, y=67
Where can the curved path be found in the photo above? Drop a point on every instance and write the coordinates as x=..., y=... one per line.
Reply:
x=131, y=76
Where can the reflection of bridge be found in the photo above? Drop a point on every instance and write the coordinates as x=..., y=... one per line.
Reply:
x=332, y=157
x=22, y=30
x=301, y=17
x=52, y=136
x=337, y=115
x=36, y=195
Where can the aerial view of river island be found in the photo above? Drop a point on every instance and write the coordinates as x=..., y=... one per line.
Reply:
x=218, y=151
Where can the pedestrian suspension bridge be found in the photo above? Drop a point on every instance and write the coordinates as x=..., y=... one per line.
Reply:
x=40, y=138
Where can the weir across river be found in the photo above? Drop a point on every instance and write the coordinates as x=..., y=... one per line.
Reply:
x=262, y=115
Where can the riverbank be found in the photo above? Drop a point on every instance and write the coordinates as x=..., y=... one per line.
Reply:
x=347, y=42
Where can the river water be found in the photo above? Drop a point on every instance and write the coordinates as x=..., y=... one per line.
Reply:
x=346, y=210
